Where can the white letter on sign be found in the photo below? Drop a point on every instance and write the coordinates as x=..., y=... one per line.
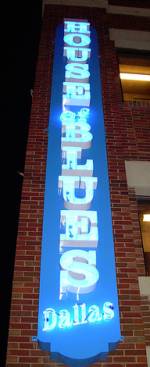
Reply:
x=86, y=187
x=76, y=72
x=76, y=39
x=71, y=167
x=79, y=274
x=81, y=27
x=76, y=94
x=75, y=54
x=78, y=228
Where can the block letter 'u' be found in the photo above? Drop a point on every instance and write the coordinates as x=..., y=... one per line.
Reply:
x=85, y=186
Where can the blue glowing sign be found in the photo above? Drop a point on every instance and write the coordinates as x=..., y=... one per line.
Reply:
x=78, y=304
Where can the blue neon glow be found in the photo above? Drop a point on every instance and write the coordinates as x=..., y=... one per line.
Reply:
x=78, y=276
x=80, y=315
x=69, y=115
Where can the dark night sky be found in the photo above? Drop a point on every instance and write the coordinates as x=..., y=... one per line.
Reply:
x=21, y=24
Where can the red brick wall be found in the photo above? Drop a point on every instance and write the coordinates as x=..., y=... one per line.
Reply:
x=127, y=139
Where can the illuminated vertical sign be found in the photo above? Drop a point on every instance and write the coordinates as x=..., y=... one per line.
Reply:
x=78, y=304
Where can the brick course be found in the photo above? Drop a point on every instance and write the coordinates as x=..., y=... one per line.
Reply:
x=127, y=136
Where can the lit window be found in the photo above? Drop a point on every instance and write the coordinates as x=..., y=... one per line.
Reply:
x=145, y=232
x=146, y=217
x=134, y=76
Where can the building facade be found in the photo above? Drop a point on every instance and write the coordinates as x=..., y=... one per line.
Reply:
x=124, y=39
